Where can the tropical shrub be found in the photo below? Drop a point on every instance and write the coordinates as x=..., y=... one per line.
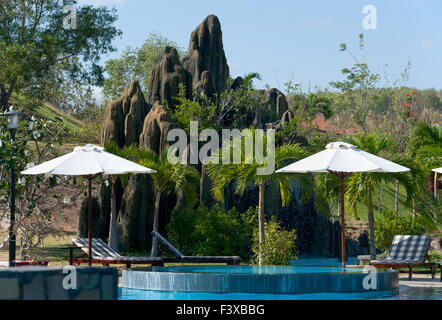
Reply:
x=212, y=231
x=388, y=225
x=279, y=246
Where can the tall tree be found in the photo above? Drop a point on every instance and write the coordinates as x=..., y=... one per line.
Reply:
x=359, y=82
x=361, y=186
x=426, y=147
x=37, y=52
x=246, y=174
x=168, y=178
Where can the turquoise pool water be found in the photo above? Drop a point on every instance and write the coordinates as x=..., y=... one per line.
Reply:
x=257, y=269
x=403, y=294
x=296, y=273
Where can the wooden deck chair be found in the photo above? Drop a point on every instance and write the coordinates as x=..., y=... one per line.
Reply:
x=105, y=255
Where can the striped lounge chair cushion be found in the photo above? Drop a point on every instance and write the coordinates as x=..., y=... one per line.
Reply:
x=409, y=249
x=100, y=250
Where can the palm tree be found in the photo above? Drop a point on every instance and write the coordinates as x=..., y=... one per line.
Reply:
x=327, y=192
x=248, y=79
x=311, y=105
x=112, y=147
x=247, y=173
x=426, y=147
x=362, y=185
x=426, y=144
x=314, y=105
x=431, y=215
x=168, y=177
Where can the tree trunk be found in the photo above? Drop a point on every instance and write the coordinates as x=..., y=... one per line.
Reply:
x=156, y=221
x=396, y=199
x=113, y=234
x=414, y=209
x=261, y=218
x=364, y=112
x=339, y=207
x=6, y=94
x=436, y=185
x=371, y=225
x=3, y=103
x=379, y=200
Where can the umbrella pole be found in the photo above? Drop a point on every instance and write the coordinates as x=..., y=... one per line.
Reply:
x=89, y=221
x=342, y=222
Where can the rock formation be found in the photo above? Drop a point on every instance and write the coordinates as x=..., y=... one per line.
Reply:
x=156, y=126
x=238, y=82
x=206, y=85
x=131, y=119
x=206, y=58
x=287, y=117
x=277, y=101
x=136, y=214
x=166, y=76
x=124, y=117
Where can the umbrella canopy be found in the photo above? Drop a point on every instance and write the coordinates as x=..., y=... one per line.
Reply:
x=89, y=162
x=343, y=159
x=438, y=170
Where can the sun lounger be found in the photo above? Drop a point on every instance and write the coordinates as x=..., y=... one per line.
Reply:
x=180, y=258
x=408, y=252
x=103, y=254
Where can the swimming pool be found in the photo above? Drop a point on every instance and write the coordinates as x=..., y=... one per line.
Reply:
x=256, y=269
x=268, y=282
x=402, y=294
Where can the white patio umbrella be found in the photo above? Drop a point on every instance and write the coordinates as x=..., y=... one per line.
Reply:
x=89, y=162
x=436, y=181
x=343, y=159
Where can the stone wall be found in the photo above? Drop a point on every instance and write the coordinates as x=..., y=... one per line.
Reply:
x=40, y=283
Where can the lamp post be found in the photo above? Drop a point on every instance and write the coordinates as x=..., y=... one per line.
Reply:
x=12, y=116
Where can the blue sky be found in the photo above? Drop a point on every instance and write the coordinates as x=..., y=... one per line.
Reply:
x=299, y=40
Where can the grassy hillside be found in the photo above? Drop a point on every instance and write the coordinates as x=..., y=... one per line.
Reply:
x=388, y=197
x=81, y=133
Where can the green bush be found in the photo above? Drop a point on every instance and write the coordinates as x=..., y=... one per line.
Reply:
x=434, y=256
x=213, y=231
x=387, y=225
x=279, y=246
